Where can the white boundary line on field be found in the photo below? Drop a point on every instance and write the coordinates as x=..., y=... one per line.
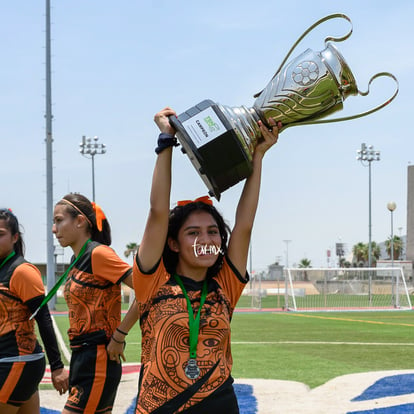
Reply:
x=60, y=340
x=311, y=342
x=322, y=343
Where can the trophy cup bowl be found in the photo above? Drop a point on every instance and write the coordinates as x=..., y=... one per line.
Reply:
x=220, y=140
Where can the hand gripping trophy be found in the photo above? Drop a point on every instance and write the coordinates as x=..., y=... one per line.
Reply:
x=220, y=140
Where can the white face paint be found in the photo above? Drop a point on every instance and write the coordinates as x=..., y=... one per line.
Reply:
x=205, y=249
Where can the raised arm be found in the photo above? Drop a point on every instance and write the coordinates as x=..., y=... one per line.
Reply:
x=153, y=240
x=247, y=206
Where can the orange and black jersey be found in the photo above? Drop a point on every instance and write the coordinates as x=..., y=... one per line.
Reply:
x=165, y=339
x=93, y=293
x=21, y=292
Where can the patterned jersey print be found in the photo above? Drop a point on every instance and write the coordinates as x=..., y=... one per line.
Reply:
x=165, y=335
x=93, y=293
x=20, y=281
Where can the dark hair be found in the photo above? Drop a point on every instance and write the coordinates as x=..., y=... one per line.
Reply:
x=82, y=205
x=177, y=217
x=13, y=225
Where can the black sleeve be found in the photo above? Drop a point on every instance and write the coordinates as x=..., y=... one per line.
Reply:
x=45, y=324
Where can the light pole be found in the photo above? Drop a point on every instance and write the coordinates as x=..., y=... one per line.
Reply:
x=287, y=252
x=287, y=272
x=89, y=147
x=367, y=155
x=50, y=268
x=391, y=207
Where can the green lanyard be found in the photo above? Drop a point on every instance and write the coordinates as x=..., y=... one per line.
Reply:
x=60, y=281
x=7, y=258
x=193, y=322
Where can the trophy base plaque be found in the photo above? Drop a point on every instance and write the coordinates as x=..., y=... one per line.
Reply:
x=214, y=146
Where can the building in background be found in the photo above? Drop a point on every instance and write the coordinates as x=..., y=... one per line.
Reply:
x=409, y=246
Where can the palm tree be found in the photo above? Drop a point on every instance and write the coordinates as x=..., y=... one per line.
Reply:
x=398, y=247
x=131, y=249
x=303, y=264
x=360, y=252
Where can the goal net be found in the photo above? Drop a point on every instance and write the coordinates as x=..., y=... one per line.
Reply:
x=313, y=289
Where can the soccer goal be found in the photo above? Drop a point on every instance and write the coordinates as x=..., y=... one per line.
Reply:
x=336, y=289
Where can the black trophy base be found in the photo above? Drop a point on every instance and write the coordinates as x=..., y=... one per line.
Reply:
x=212, y=145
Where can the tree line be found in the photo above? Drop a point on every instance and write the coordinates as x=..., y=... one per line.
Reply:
x=359, y=251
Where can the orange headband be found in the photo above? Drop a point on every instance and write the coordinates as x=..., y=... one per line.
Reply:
x=100, y=215
x=203, y=199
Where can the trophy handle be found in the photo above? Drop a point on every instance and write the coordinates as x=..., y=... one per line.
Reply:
x=334, y=39
x=347, y=118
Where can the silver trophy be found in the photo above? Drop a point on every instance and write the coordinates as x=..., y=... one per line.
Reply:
x=220, y=140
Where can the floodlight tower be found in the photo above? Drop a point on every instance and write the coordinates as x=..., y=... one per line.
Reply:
x=89, y=148
x=366, y=155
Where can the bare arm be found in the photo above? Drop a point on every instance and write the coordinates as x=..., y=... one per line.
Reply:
x=116, y=345
x=247, y=206
x=155, y=233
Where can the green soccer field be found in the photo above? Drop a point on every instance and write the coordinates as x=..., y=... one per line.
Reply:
x=311, y=348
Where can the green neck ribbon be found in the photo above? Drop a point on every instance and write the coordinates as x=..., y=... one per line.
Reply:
x=193, y=322
x=7, y=258
x=60, y=281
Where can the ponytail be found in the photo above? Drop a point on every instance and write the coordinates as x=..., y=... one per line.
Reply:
x=99, y=227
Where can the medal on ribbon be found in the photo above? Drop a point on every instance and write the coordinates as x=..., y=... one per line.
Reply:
x=192, y=370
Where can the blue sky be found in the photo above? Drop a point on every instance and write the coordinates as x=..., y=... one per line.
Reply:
x=115, y=64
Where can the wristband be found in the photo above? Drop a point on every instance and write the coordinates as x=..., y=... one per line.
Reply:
x=122, y=332
x=118, y=342
x=165, y=141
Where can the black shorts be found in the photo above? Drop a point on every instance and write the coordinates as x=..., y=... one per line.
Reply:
x=20, y=380
x=93, y=380
x=223, y=400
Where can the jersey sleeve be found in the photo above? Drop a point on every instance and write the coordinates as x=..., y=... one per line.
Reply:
x=146, y=284
x=231, y=281
x=47, y=332
x=26, y=282
x=108, y=265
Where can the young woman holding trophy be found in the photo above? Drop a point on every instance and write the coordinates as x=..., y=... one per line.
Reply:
x=187, y=281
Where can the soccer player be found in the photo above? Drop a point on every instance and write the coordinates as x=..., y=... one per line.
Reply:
x=22, y=360
x=93, y=295
x=187, y=282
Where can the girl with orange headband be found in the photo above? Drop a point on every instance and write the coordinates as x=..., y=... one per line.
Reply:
x=93, y=294
x=187, y=281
